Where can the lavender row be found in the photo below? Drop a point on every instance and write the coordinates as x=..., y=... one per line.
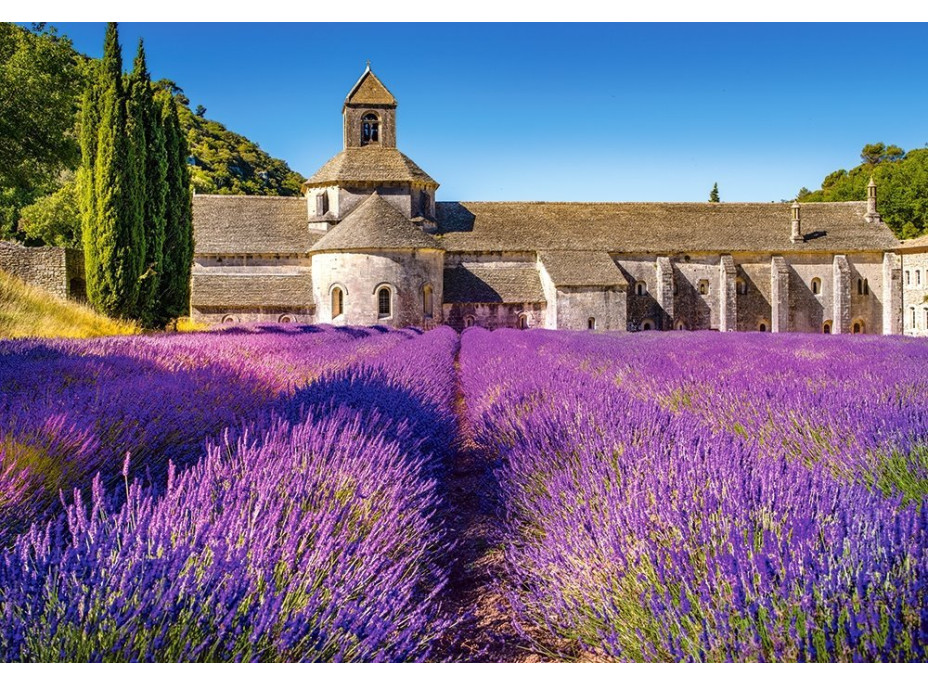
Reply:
x=666, y=500
x=314, y=534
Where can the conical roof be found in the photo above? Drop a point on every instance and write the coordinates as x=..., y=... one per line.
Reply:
x=369, y=90
x=375, y=224
x=371, y=163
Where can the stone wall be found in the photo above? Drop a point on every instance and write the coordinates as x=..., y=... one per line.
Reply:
x=360, y=275
x=59, y=271
x=494, y=315
x=576, y=306
x=915, y=294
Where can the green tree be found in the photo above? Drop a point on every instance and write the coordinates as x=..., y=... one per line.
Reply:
x=114, y=246
x=174, y=284
x=152, y=162
x=714, y=194
x=53, y=219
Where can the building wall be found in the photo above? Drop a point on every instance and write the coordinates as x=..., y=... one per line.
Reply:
x=494, y=315
x=360, y=275
x=915, y=294
x=59, y=271
x=576, y=305
x=352, y=123
x=642, y=310
x=253, y=315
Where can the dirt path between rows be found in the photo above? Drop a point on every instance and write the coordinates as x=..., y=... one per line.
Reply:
x=483, y=631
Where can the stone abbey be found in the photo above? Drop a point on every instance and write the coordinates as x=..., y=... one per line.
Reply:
x=367, y=244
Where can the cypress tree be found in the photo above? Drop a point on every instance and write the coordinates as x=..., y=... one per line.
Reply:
x=178, y=230
x=152, y=166
x=114, y=225
x=714, y=193
x=89, y=126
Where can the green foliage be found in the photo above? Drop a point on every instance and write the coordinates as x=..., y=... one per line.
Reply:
x=714, y=194
x=902, y=186
x=53, y=219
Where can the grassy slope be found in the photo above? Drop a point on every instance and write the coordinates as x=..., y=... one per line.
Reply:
x=26, y=311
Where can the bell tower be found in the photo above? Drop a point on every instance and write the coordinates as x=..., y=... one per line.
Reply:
x=369, y=114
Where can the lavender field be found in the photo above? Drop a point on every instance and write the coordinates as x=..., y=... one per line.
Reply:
x=296, y=493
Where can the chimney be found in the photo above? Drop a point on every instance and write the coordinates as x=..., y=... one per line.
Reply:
x=872, y=215
x=794, y=225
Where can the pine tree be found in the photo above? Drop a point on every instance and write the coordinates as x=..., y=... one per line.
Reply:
x=714, y=194
x=114, y=245
x=152, y=165
x=178, y=230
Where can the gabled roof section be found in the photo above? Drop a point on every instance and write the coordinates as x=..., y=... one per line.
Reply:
x=375, y=224
x=369, y=90
x=250, y=224
x=370, y=164
x=493, y=282
x=581, y=268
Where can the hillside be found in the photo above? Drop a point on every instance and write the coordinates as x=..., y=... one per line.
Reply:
x=26, y=312
x=43, y=75
x=902, y=186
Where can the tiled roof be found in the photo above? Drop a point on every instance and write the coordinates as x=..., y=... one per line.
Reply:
x=251, y=290
x=369, y=90
x=249, y=224
x=576, y=268
x=370, y=163
x=493, y=282
x=919, y=244
x=657, y=227
x=375, y=224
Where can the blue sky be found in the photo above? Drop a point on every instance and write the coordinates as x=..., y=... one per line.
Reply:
x=567, y=112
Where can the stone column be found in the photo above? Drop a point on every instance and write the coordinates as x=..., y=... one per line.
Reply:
x=779, y=294
x=728, y=294
x=665, y=289
x=892, y=294
x=841, y=316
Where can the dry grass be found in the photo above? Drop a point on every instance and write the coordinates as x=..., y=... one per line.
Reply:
x=26, y=311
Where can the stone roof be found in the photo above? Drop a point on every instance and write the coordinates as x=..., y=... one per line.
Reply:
x=493, y=282
x=250, y=224
x=657, y=227
x=369, y=90
x=369, y=164
x=576, y=268
x=375, y=224
x=251, y=290
x=919, y=244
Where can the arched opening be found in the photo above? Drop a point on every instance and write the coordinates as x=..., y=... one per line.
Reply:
x=427, y=300
x=816, y=286
x=228, y=319
x=641, y=288
x=859, y=327
x=918, y=277
x=826, y=327
x=338, y=302
x=681, y=325
x=763, y=326
x=77, y=289
x=908, y=278
x=912, y=310
x=285, y=319
x=384, y=302
x=370, y=129
x=468, y=321
x=741, y=286
x=523, y=321
x=866, y=287
x=703, y=287
x=591, y=323
x=647, y=325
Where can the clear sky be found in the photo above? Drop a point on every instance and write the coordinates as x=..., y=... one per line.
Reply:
x=568, y=112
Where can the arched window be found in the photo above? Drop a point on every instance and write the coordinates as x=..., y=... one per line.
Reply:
x=468, y=321
x=384, y=302
x=703, y=287
x=816, y=286
x=826, y=327
x=860, y=286
x=866, y=287
x=647, y=325
x=763, y=326
x=918, y=277
x=641, y=288
x=370, y=129
x=912, y=310
x=523, y=321
x=908, y=278
x=858, y=327
x=228, y=319
x=741, y=286
x=338, y=302
x=285, y=319
x=591, y=323
x=681, y=325
x=427, y=300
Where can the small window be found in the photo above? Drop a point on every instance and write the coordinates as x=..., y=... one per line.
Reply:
x=591, y=323
x=866, y=287
x=338, y=302
x=918, y=277
x=425, y=208
x=468, y=322
x=741, y=286
x=384, y=302
x=912, y=310
x=322, y=204
x=647, y=325
x=703, y=287
x=826, y=327
x=641, y=288
x=370, y=129
x=427, y=300
x=285, y=319
x=816, y=286
x=523, y=321
x=681, y=325
x=908, y=278
x=228, y=319
x=858, y=327
x=763, y=326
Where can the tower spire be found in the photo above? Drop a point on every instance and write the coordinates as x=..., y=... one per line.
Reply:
x=872, y=214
